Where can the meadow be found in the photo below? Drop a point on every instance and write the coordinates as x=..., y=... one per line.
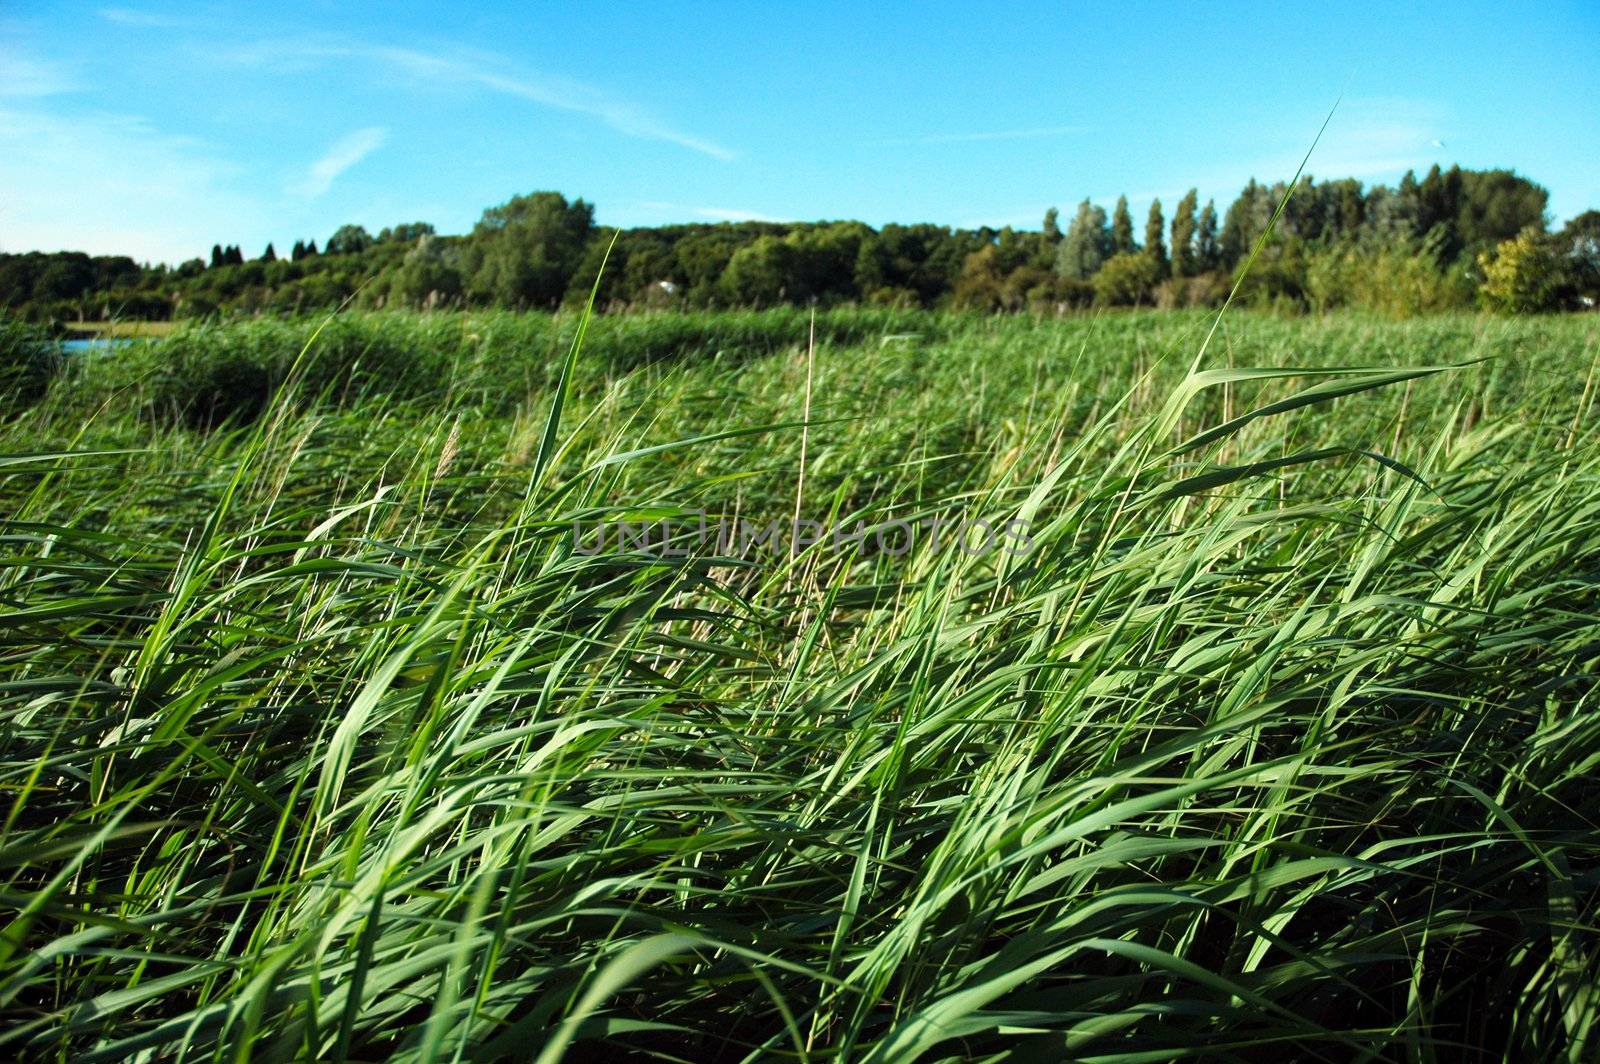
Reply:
x=323, y=739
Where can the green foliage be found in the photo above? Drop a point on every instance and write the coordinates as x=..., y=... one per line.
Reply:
x=1523, y=275
x=982, y=281
x=405, y=232
x=29, y=363
x=758, y=274
x=1242, y=226
x=1050, y=229
x=822, y=268
x=811, y=264
x=1398, y=281
x=525, y=251
x=1127, y=280
x=1086, y=245
x=542, y=252
x=1122, y=229
x=1207, y=253
x=1482, y=207
x=994, y=278
x=1154, y=245
x=1578, y=244
x=1201, y=290
x=918, y=259
x=348, y=240
x=207, y=375
x=428, y=276
x=1276, y=280
x=1185, y=255
x=323, y=742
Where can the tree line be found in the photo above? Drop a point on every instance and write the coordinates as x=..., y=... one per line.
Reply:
x=1452, y=238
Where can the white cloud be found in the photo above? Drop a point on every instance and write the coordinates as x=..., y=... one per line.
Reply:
x=114, y=184
x=1019, y=219
x=345, y=153
x=720, y=214
x=731, y=214
x=1374, y=140
x=1038, y=133
x=480, y=70
x=1366, y=138
x=127, y=16
x=25, y=76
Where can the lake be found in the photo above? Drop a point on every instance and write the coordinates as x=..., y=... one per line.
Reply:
x=94, y=344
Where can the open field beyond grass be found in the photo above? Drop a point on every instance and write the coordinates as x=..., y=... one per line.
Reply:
x=325, y=737
x=119, y=330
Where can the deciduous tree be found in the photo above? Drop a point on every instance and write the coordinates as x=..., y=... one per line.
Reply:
x=1086, y=245
x=524, y=252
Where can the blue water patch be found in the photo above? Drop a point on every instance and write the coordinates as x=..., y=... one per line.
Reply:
x=95, y=344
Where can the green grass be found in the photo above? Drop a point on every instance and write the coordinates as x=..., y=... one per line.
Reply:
x=321, y=742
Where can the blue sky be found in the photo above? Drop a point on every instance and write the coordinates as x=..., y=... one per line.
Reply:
x=157, y=129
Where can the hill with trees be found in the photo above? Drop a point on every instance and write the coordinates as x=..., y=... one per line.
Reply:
x=1451, y=239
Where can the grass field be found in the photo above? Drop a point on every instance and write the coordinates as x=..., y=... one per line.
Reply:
x=120, y=330
x=324, y=738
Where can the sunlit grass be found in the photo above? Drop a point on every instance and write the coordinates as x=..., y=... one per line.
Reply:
x=320, y=740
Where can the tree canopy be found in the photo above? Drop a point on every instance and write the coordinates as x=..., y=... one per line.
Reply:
x=1452, y=231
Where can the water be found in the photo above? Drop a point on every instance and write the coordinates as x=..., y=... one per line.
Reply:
x=94, y=345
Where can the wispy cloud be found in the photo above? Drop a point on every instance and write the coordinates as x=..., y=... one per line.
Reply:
x=1038, y=133
x=485, y=71
x=731, y=214
x=561, y=94
x=127, y=16
x=717, y=214
x=1016, y=219
x=113, y=184
x=1374, y=140
x=23, y=75
x=1368, y=138
x=345, y=153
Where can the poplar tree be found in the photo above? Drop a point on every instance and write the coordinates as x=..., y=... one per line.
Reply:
x=1154, y=244
x=1086, y=245
x=1205, y=238
x=1049, y=240
x=1051, y=231
x=1183, y=244
x=1122, y=228
x=1239, y=231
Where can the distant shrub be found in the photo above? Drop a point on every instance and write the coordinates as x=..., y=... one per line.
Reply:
x=624, y=342
x=207, y=389
x=894, y=297
x=1397, y=281
x=1276, y=280
x=211, y=375
x=194, y=307
x=1201, y=290
x=1073, y=293
x=1526, y=274
x=1127, y=280
x=29, y=362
